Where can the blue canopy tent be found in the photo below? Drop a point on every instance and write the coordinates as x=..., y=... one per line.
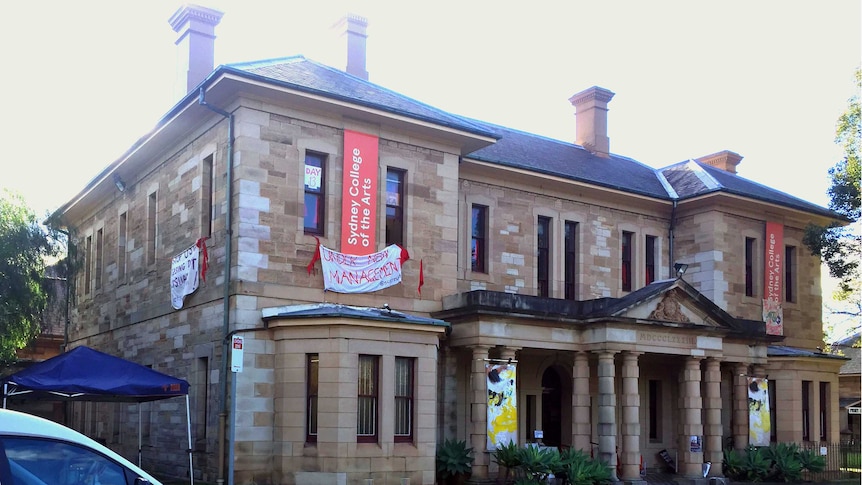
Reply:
x=85, y=374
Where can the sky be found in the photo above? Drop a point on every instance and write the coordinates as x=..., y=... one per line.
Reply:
x=767, y=79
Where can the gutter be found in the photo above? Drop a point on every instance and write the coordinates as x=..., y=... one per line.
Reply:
x=226, y=303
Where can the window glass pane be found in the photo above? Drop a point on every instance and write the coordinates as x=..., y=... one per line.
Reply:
x=313, y=363
x=403, y=396
x=315, y=193
x=366, y=416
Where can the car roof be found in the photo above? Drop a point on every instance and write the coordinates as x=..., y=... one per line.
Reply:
x=15, y=423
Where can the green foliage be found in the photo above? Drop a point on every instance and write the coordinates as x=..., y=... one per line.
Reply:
x=733, y=464
x=579, y=469
x=786, y=466
x=757, y=465
x=782, y=462
x=24, y=247
x=453, y=458
x=508, y=456
x=812, y=461
x=841, y=247
x=537, y=462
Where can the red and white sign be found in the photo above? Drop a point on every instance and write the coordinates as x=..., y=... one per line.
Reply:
x=236, y=353
x=348, y=273
x=773, y=269
x=359, y=193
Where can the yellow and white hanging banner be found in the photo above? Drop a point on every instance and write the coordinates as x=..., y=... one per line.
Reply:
x=502, y=405
x=759, y=425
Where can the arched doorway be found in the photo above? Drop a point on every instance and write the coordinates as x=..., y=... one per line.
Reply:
x=552, y=407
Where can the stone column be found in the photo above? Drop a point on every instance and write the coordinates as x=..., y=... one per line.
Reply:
x=691, y=406
x=581, y=423
x=631, y=429
x=607, y=411
x=479, y=411
x=712, y=419
x=740, y=406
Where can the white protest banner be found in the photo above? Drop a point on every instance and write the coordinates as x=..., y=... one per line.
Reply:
x=347, y=273
x=184, y=275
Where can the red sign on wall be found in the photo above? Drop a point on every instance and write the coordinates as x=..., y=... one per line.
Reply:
x=359, y=194
x=773, y=269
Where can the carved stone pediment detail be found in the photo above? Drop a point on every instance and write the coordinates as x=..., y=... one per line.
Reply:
x=668, y=309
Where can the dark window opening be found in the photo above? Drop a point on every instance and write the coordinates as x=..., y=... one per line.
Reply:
x=543, y=270
x=627, y=261
x=571, y=260
x=479, y=243
x=394, y=207
x=315, y=194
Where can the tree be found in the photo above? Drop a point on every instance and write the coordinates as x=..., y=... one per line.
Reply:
x=840, y=245
x=24, y=247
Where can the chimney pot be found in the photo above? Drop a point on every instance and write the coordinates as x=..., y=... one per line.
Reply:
x=196, y=44
x=354, y=29
x=725, y=160
x=591, y=119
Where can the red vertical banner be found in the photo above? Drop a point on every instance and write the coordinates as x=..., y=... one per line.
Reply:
x=359, y=194
x=773, y=271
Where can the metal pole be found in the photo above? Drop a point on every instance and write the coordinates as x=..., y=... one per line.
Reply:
x=189, y=429
x=139, y=433
x=231, y=428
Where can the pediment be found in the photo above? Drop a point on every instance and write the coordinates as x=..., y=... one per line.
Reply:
x=673, y=306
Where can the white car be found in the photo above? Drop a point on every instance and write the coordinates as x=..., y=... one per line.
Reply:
x=36, y=451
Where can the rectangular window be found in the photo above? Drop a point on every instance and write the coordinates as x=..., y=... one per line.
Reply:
x=122, y=234
x=404, y=372
x=394, y=206
x=654, y=410
x=749, y=266
x=479, y=243
x=151, y=229
x=824, y=410
x=315, y=193
x=202, y=385
x=789, y=273
x=543, y=244
x=571, y=260
x=806, y=410
x=207, y=197
x=649, y=259
x=312, y=365
x=88, y=262
x=626, y=274
x=99, y=256
x=366, y=413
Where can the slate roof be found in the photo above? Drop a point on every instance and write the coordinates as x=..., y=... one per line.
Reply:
x=310, y=76
x=536, y=153
x=519, y=149
x=785, y=351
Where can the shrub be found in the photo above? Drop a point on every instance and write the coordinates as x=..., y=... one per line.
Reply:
x=453, y=458
x=537, y=462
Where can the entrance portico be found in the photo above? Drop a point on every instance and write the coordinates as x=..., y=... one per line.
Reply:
x=633, y=376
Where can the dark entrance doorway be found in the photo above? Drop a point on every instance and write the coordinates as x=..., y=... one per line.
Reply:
x=552, y=401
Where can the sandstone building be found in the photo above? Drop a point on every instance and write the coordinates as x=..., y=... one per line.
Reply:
x=633, y=301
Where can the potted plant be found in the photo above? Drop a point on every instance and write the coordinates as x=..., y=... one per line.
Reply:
x=454, y=462
x=507, y=458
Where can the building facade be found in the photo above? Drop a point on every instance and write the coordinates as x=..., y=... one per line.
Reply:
x=558, y=258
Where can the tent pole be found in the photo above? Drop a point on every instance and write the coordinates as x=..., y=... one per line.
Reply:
x=139, y=433
x=189, y=429
x=5, y=390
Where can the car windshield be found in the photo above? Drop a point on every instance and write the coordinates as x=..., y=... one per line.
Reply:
x=47, y=462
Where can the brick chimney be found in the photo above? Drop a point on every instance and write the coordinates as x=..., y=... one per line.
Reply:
x=353, y=30
x=725, y=160
x=591, y=119
x=195, y=54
